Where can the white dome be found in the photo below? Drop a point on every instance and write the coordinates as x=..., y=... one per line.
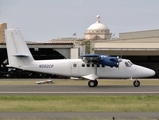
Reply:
x=97, y=25
x=97, y=31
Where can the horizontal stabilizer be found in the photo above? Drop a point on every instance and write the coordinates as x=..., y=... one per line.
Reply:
x=20, y=55
x=91, y=76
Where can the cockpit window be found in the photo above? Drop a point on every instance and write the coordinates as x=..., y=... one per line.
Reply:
x=128, y=64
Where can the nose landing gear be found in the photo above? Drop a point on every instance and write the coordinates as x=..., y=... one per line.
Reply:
x=136, y=83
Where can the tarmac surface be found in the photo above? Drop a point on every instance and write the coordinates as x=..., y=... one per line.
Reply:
x=50, y=89
x=71, y=115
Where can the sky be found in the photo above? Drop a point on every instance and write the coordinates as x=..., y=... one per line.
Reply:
x=43, y=20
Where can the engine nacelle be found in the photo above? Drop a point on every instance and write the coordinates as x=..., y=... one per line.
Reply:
x=102, y=59
x=109, y=61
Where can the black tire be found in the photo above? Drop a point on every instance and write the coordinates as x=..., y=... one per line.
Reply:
x=91, y=83
x=136, y=83
x=96, y=83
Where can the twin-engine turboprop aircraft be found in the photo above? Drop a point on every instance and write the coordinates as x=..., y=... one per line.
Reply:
x=91, y=66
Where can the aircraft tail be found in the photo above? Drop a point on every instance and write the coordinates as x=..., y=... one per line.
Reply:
x=19, y=54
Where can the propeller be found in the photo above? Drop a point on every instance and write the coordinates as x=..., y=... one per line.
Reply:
x=119, y=60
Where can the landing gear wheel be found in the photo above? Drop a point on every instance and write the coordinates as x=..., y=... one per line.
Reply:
x=136, y=83
x=92, y=83
x=96, y=83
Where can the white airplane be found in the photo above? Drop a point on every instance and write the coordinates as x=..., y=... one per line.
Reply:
x=91, y=67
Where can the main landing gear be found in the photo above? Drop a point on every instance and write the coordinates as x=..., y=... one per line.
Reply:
x=136, y=83
x=92, y=83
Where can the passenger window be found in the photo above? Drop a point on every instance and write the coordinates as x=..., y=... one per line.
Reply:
x=88, y=65
x=74, y=65
x=83, y=65
x=98, y=65
x=103, y=65
x=92, y=65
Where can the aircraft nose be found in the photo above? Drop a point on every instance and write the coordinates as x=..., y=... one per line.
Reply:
x=150, y=72
x=144, y=72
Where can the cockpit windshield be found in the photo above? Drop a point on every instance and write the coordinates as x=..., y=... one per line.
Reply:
x=128, y=64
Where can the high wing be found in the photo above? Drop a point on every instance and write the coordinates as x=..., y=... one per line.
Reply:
x=102, y=59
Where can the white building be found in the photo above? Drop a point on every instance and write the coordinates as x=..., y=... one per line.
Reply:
x=97, y=31
x=141, y=47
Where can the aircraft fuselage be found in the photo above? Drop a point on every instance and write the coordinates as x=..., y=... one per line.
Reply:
x=77, y=68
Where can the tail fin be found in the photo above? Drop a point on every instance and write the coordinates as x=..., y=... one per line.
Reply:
x=18, y=52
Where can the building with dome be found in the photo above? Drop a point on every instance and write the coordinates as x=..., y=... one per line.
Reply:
x=97, y=31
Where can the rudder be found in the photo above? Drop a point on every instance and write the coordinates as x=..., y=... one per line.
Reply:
x=18, y=52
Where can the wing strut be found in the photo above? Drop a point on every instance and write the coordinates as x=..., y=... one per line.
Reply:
x=95, y=69
x=92, y=76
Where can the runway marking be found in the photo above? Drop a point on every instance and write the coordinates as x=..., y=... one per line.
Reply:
x=79, y=92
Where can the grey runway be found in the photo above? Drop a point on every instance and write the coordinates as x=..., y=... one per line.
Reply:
x=48, y=89
x=69, y=115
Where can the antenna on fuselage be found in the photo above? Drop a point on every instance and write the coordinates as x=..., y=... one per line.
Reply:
x=119, y=58
x=121, y=53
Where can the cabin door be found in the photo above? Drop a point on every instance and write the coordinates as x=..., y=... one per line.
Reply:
x=74, y=69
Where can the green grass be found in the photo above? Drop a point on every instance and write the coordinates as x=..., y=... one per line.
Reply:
x=80, y=103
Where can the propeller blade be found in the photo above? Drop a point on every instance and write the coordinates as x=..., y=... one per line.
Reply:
x=119, y=59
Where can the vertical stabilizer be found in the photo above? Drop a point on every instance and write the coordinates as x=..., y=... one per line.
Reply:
x=18, y=52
